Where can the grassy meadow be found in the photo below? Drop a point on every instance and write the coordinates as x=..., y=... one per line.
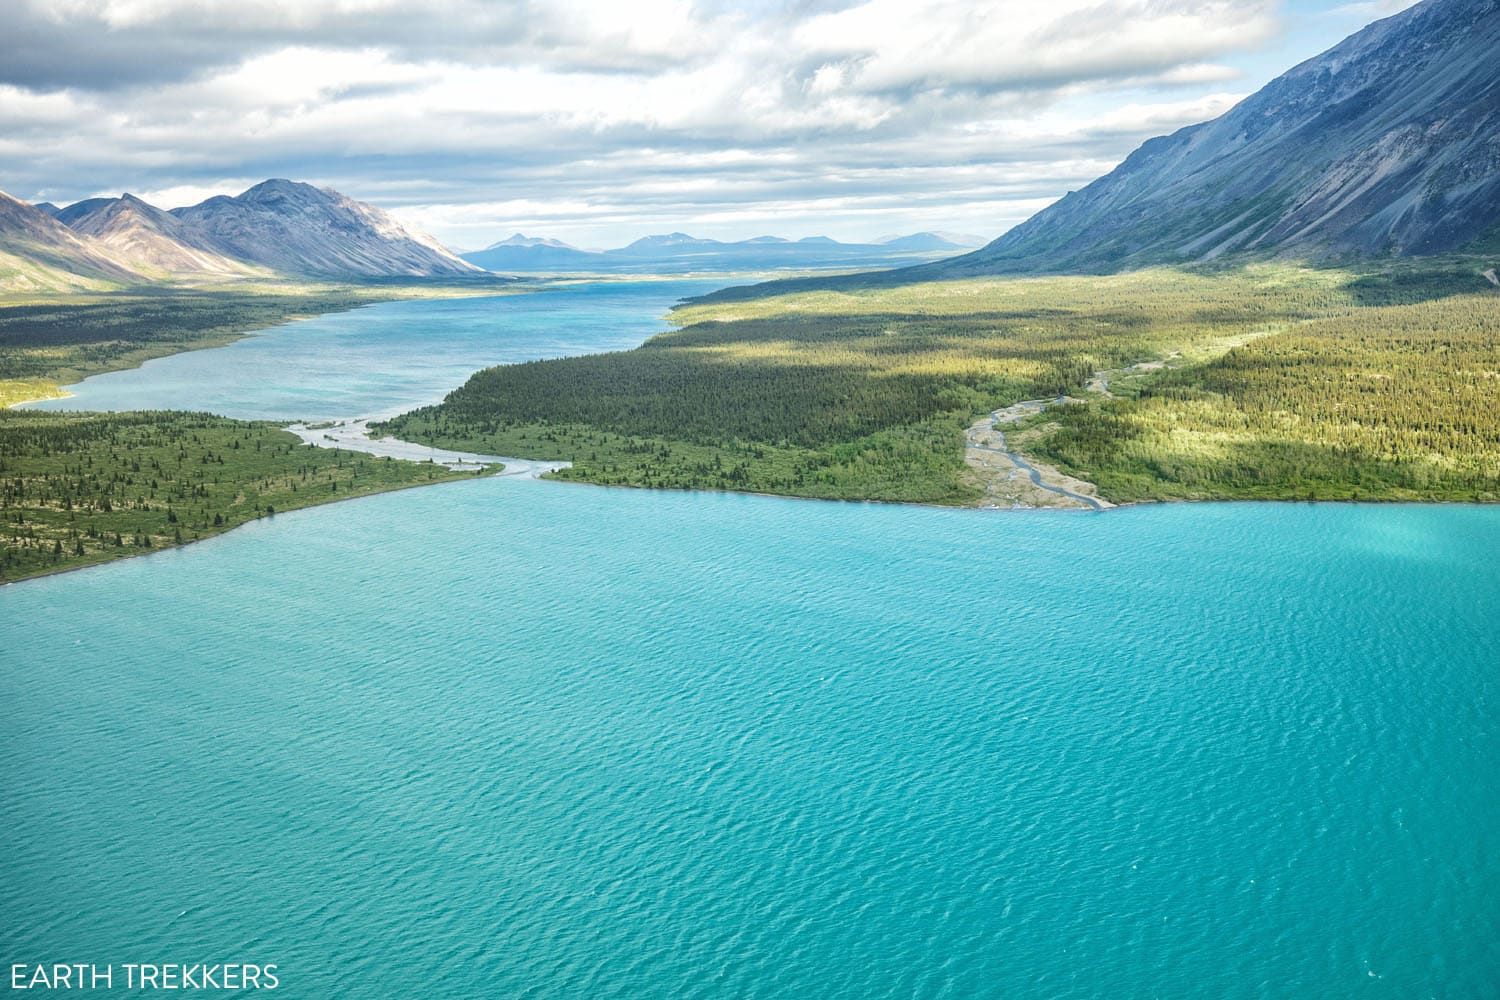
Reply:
x=1278, y=381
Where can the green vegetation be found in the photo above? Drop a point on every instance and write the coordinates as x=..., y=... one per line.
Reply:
x=83, y=488
x=77, y=489
x=1281, y=381
x=1396, y=402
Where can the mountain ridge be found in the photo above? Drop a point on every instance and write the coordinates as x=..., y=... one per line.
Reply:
x=152, y=240
x=40, y=254
x=525, y=253
x=278, y=228
x=1387, y=143
x=292, y=227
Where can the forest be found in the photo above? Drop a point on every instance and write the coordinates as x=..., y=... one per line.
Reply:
x=84, y=488
x=1276, y=380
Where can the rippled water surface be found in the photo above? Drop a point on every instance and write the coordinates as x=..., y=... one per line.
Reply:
x=502, y=738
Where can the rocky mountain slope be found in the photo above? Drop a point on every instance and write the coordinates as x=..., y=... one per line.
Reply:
x=40, y=254
x=153, y=242
x=277, y=228
x=296, y=228
x=1388, y=143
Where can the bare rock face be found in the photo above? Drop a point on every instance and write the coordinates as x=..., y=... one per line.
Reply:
x=1388, y=143
x=296, y=228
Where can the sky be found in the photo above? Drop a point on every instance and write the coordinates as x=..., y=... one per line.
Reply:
x=598, y=122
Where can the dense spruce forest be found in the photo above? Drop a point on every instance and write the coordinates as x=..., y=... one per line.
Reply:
x=77, y=489
x=1276, y=380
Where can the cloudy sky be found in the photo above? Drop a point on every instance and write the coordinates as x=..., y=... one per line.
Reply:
x=598, y=122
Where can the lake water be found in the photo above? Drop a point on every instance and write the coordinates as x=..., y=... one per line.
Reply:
x=385, y=359
x=503, y=738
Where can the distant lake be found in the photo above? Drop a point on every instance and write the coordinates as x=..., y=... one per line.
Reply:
x=390, y=357
x=504, y=738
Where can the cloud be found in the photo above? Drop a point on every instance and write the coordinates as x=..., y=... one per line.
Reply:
x=599, y=121
x=898, y=45
x=110, y=44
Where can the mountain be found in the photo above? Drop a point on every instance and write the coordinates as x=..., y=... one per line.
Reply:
x=680, y=252
x=40, y=254
x=1388, y=143
x=503, y=259
x=278, y=227
x=299, y=229
x=534, y=253
x=521, y=240
x=151, y=241
x=673, y=242
x=762, y=252
x=930, y=241
x=78, y=210
x=48, y=207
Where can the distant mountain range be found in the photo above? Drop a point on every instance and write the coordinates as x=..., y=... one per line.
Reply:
x=276, y=228
x=679, y=251
x=1388, y=143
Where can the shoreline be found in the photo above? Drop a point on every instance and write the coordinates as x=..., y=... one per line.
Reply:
x=1008, y=478
x=371, y=295
x=140, y=553
x=175, y=547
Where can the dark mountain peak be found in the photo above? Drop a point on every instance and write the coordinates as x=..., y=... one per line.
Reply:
x=48, y=207
x=95, y=214
x=79, y=209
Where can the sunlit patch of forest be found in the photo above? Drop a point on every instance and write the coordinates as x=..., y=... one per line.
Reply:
x=1281, y=381
x=82, y=488
x=1398, y=402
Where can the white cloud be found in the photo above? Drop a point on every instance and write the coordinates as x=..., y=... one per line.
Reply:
x=901, y=44
x=601, y=120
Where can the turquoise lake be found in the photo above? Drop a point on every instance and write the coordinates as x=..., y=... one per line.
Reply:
x=506, y=738
x=385, y=359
